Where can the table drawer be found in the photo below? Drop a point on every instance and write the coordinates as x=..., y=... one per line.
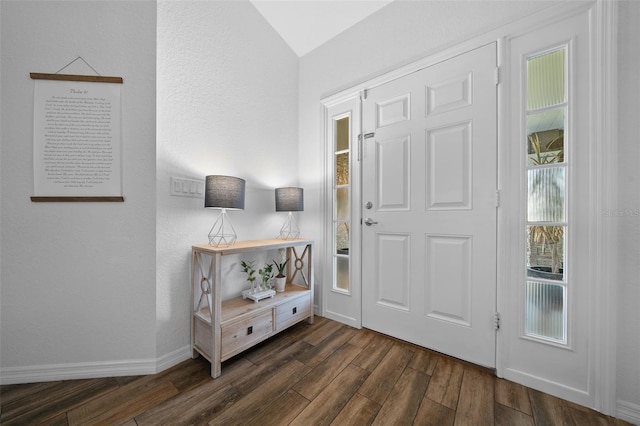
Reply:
x=240, y=335
x=293, y=311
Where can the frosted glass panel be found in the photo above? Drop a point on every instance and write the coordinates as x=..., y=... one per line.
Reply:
x=342, y=273
x=546, y=195
x=550, y=119
x=546, y=283
x=342, y=169
x=342, y=203
x=342, y=238
x=545, y=80
x=342, y=134
x=545, y=137
x=342, y=210
x=544, y=310
x=545, y=252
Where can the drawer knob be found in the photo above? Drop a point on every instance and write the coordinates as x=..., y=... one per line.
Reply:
x=295, y=310
x=249, y=330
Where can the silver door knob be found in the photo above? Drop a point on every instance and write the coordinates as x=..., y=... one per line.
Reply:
x=368, y=221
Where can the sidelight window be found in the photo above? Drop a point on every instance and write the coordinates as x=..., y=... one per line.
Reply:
x=342, y=203
x=546, y=285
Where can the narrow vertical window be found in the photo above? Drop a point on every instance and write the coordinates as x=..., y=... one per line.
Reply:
x=547, y=227
x=342, y=203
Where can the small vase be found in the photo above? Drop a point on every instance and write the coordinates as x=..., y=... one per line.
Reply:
x=280, y=284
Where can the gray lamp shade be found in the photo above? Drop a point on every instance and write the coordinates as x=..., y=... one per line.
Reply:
x=224, y=192
x=289, y=199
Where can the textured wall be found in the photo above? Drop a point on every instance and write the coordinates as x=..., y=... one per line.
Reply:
x=78, y=279
x=227, y=104
x=106, y=283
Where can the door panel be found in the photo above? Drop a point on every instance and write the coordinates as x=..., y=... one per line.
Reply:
x=449, y=278
x=393, y=285
x=392, y=177
x=449, y=95
x=430, y=173
x=448, y=165
x=393, y=111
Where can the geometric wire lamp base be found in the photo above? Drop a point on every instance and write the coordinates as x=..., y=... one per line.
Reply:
x=290, y=229
x=222, y=232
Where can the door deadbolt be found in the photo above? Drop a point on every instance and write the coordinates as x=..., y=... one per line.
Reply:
x=368, y=205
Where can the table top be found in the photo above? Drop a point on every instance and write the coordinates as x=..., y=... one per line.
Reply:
x=247, y=246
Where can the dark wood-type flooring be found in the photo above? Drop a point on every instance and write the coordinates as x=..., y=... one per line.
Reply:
x=320, y=374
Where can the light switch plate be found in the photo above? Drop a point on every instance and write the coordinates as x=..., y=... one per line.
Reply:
x=183, y=187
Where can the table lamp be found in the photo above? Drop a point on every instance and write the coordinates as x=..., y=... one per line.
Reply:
x=289, y=199
x=223, y=192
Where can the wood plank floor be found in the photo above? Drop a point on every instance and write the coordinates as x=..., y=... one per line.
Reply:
x=320, y=374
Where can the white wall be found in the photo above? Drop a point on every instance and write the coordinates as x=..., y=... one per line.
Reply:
x=628, y=338
x=78, y=279
x=227, y=104
x=90, y=287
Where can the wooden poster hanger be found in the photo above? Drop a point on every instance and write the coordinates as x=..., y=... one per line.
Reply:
x=80, y=78
x=71, y=77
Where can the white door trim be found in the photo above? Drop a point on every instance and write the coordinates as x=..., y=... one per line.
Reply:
x=604, y=127
x=604, y=114
x=345, y=303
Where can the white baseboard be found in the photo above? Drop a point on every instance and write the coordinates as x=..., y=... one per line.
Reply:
x=89, y=370
x=173, y=358
x=578, y=396
x=628, y=411
x=80, y=370
x=350, y=321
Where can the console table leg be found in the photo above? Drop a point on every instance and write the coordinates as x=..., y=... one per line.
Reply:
x=216, y=370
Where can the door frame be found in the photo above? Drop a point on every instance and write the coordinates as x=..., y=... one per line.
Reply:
x=350, y=106
x=602, y=334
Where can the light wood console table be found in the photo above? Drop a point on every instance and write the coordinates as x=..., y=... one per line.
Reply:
x=220, y=330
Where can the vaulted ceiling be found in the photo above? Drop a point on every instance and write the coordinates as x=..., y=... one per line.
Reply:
x=307, y=24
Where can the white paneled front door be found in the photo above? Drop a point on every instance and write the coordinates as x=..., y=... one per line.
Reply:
x=429, y=207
